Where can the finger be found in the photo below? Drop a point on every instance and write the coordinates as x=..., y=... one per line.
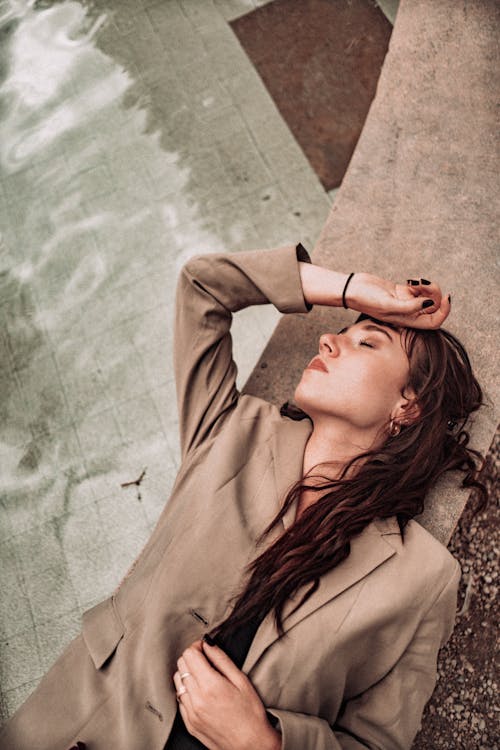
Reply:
x=436, y=318
x=426, y=320
x=197, y=664
x=181, y=690
x=180, y=685
x=224, y=664
x=182, y=669
x=413, y=290
x=426, y=295
x=425, y=288
x=410, y=306
x=411, y=300
x=420, y=282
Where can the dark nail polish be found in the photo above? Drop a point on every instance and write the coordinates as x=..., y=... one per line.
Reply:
x=427, y=303
x=208, y=639
x=424, y=281
x=413, y=282
x=449, y=298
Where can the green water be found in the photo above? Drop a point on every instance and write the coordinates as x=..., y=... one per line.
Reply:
x=132, y=136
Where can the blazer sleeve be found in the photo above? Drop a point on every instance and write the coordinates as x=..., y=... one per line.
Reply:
x=388, y=715
x=210, y=289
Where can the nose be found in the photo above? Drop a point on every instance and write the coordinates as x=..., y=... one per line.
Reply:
x=329, y=345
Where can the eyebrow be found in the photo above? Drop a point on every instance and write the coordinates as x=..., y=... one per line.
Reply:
x=371, y=327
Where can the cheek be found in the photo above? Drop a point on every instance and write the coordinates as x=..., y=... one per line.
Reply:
x=368, y=398
x=380, y=387
x=357, y=392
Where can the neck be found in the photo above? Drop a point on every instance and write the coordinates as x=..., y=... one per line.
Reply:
x=335, y=444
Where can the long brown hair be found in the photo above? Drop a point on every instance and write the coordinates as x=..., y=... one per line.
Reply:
x=391, y=480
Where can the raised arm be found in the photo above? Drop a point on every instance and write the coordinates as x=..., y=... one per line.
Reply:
x=210, y=289
x=416, y=304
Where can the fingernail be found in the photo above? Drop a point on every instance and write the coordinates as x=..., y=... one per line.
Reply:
x=427, y=303
x=424, y=281
x=413, y=282
x=449, y=298
x=208, y=639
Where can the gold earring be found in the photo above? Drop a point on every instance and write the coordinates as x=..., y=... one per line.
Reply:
x=394, y=428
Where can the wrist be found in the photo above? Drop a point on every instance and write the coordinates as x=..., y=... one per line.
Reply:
x=354, y=292
x=344, y=292
x=322, y=286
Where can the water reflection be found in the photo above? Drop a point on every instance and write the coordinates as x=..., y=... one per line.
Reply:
x=107, y=183
x=87, y=266
x=80, y=215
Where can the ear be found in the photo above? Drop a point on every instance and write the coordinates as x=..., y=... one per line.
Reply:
x=407, y=410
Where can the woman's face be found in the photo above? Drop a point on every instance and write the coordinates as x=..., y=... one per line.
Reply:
x=358, y=377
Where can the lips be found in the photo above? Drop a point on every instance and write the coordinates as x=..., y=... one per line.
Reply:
x=317, y=364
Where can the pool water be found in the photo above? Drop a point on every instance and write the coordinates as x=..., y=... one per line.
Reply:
x=132, y=136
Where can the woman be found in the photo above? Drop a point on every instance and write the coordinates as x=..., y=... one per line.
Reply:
x=323, y=604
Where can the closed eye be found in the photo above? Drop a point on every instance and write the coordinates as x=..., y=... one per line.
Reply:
x=363, y=342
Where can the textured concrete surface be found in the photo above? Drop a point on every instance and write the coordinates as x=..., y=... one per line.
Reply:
x=463, y=711
x=420, y=197
x=133, y=134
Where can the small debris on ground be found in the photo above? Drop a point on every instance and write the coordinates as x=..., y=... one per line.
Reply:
x=136, y=483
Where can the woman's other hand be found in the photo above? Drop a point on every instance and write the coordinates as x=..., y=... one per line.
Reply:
x=416, y=304
x=218, y=703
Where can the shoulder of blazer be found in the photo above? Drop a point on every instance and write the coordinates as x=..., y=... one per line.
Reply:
x=419, y=547
x=246, y=409
x=255, y=407
x=249, y=406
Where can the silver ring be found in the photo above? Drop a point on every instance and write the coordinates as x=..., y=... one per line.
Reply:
x=184, y=674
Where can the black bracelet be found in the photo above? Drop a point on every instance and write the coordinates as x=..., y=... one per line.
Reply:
x=344, y=304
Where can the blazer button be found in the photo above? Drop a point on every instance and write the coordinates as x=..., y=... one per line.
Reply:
x=198, y=616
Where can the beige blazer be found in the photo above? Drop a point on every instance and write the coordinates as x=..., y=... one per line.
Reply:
x=358, y=660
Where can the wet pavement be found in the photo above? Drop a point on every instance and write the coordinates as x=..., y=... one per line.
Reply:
x=132, y=136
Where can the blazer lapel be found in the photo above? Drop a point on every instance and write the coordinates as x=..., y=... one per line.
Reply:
x=368, y=550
